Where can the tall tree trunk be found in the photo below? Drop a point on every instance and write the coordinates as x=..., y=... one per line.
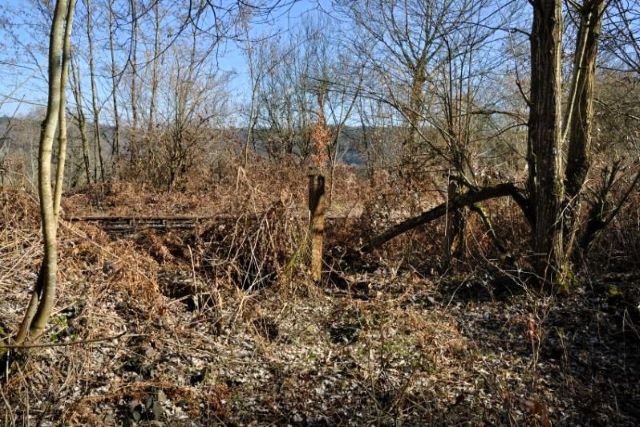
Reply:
x=42, y=298
x=579, y=122
x=94, y=95
x=154, y=69
x=544, y=139
x=416, y=103
x=62, y=114
x=76, y=89
x=133, y=137
x=115, y=148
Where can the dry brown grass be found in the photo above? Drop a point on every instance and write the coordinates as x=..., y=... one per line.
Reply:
x=221, y=325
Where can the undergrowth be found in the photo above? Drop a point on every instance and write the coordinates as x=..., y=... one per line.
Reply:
x=220, y=324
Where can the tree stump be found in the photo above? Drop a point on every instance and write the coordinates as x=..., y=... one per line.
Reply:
x=317, y=207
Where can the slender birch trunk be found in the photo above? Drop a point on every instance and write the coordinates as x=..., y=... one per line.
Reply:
x=42, y=298
x=62, y=114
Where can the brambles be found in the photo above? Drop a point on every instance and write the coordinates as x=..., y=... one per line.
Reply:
x=253, y=251
x=221, y=320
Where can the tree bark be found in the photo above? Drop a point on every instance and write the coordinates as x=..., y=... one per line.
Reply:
x=545, y=183
x=579, y=122
x=317, y=210
x=154, y=68
x=115, y=148
x=94, y=90
x=62, y=114
x=454, y=242
x=81, y=119
x=580, y=116
x=42, y=298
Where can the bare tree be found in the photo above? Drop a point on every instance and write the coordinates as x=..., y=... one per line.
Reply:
x=336, y=102
x=94, y=95
x=427, y=59
x=578, y=123
x=547, y=203
x=256, y=64
x=284, y=107
x=622, y=24
x=115, y=147
x=133, y=138
x=62, y=113
x=545, y=184
x=76, y=89
x=42, y=298
x=154, y=65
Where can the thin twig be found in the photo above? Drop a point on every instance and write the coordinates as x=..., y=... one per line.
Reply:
x=65, y=344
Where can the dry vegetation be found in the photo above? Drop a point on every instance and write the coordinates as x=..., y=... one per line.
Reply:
x=221, y=325
x=481, y=260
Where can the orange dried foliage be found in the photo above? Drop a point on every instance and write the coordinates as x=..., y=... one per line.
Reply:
x=320, y=139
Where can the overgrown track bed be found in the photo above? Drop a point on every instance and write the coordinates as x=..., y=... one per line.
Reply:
x=376, y=343
x=130, y=224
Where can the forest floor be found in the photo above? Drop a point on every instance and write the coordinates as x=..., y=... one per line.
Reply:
x=158, y=328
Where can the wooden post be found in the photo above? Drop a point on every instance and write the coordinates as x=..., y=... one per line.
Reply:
x=317, y=205
x=450, y=224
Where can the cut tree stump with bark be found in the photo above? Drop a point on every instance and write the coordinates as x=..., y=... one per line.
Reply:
x=317, y=207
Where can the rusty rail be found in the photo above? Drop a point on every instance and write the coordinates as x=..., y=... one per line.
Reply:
x=126, y=224
x=129, y=224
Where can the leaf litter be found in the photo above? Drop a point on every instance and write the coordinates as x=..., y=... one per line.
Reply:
x=216, y=326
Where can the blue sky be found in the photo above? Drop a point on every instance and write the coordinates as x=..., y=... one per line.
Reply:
x=283, y=21
x=25, y=81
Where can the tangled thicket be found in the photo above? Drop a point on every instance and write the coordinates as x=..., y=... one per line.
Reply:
x=220, y=324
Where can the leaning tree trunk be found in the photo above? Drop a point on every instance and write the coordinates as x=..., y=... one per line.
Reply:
x=544, y=140
x=42, y=298
x=579, y=122
x=469, y=198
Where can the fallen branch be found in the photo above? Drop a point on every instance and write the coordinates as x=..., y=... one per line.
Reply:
x=469, y=198
x=66, y=344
